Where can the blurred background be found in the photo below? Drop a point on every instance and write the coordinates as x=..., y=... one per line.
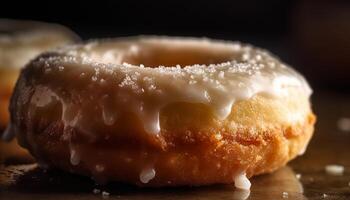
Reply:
x=312, y=36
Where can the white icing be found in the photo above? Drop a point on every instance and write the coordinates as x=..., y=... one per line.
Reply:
x=147, y=174
x=74, y=157
x=108, y=113
x=242, y=182
x=302, y=150
x=42, y=97
x=99, y=168
x=112, y=86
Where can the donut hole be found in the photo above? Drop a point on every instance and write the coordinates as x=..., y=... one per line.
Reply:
x=168, y=53
x=163, y=55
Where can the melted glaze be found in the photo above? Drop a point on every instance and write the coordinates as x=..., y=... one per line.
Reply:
x=147, y=174
x=242, y=182
x=145, y=91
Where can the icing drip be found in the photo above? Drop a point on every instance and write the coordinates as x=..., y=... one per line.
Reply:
x=74, y=157
x=147, y=174
x=150, y=121
x=109, y=115
x=302, y=150
x=242, y=182
x=99, y=168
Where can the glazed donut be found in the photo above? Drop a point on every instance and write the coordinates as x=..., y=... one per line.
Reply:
x=21, y=41
x=162, y=111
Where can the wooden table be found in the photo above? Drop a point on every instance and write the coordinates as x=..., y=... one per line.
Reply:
x=329, y=146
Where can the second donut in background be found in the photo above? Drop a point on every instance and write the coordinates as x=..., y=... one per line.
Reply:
x=21, y=41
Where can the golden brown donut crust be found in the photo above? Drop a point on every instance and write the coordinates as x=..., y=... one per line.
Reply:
x=189, y=158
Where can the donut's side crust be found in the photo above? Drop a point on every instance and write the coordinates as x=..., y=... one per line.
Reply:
x=195, y=158
x=193, y=148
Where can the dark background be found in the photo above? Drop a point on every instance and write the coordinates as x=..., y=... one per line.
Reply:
x=312, y=36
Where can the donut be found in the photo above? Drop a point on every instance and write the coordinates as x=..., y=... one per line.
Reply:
x=162, y=111
x=21, y=41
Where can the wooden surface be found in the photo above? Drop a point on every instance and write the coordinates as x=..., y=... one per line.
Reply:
x=329, y=146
